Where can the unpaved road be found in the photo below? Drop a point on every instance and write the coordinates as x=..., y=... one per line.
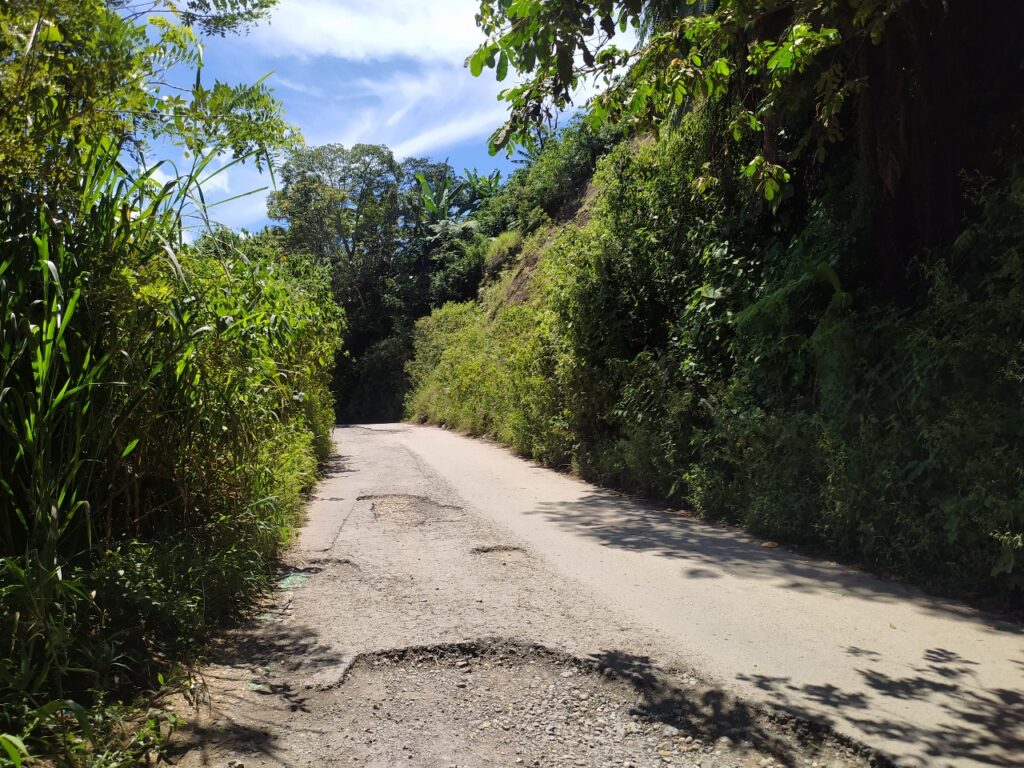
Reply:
x=449, y=604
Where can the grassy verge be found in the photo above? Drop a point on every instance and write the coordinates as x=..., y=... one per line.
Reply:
x=164, y=406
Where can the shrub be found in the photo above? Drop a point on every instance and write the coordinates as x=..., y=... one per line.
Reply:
x=683, y=346
x=501, y=251
x=163, y=409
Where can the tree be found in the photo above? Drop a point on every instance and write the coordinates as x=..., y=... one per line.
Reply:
x=793, y=79
x=77, y=72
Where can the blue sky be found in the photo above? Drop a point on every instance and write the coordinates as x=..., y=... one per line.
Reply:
x=389, y=72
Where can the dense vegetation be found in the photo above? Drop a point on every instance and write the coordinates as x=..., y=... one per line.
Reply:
x=396, y=241
x=162, y=404
x=794, y=298
x=773, y=272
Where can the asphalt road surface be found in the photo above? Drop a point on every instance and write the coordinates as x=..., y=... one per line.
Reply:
x=428, y=554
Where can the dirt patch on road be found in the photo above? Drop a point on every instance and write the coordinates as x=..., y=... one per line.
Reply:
x=496, y=549
x=406, y=509
x=504, y=703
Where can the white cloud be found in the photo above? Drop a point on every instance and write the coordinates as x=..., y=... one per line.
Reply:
x=160, y=176
x=452, y=131
x=291, y=85
x=357, y=31
x=215, y=182
x=414, y=111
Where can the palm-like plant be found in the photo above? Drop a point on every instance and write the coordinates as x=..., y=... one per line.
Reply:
x=444, y=200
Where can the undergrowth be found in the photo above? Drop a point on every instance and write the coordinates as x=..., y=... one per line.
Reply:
x=163, y=408
x=689, y=345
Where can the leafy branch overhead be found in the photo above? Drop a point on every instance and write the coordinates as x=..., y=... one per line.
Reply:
x=761, y=57
x=86, y=70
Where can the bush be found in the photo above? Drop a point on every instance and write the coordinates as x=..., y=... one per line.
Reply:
x=549, y=182
x=164, y=407
x=684, y=346
x=501, y=251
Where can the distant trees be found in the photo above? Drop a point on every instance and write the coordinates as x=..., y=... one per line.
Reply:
x=395, y=237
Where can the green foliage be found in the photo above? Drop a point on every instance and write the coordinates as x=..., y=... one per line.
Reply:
x=683, y=345
x=551, y=180
x=502, y=250
x=396, y=239
x=162, y=406
x=158, y=410
x=797, y=80
x=83, y=71
x=690, y=53
x=492, y=379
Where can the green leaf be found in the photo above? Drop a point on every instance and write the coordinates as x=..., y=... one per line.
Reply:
x=49, y=33
x=563, y=58
x=476, y=61
x=130, y=447
x=14, y=747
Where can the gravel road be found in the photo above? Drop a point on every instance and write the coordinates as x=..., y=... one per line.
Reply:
x=449, y=604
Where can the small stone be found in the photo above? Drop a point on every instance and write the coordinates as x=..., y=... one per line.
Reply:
x=669, y=730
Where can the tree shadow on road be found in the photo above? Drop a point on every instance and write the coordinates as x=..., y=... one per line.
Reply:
x=713, y=714
x=985, y=726
x=981, y=723
x=250, y=689
x=710, y=551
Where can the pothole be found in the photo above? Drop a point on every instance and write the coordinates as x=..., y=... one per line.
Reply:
x=330, y=561
x=498, y=703
x=410, y=510
x=491, y=549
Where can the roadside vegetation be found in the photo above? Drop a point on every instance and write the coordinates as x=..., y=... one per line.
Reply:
x=772, y=272
x=792, y=297
x=397, y=240
x=163, y=403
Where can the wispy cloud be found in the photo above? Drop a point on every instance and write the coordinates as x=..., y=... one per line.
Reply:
x=414, y=111
x=283, y=82
x=358, y=31
x=452, y=131
x=216, y=183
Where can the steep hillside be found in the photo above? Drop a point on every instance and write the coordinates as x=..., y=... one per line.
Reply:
x=676, y=338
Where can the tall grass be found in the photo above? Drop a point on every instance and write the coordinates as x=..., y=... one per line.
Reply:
x=162, y=407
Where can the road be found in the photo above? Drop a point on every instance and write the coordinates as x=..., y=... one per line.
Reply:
x=595, y=574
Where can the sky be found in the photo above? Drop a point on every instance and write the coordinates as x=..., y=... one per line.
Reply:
x=388, y=72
